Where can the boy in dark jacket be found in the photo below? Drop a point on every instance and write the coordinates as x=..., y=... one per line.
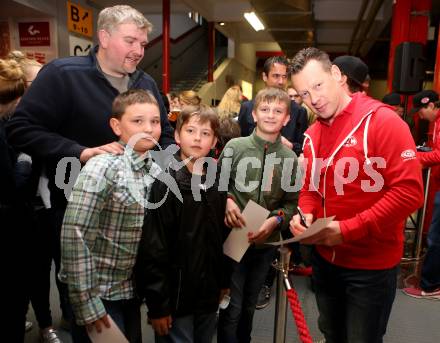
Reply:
x=180, y=271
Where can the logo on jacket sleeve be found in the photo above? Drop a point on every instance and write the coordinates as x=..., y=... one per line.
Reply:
x=408, y=155
x=351, y=141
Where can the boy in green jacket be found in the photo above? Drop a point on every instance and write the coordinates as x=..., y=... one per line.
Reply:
x=272, y=170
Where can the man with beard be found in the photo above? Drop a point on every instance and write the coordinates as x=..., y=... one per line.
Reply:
x=66, y=111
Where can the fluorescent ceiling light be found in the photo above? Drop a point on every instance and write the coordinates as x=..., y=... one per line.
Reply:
x=255, y=22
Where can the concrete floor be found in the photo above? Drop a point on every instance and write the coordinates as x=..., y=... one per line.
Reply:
x=412, y=320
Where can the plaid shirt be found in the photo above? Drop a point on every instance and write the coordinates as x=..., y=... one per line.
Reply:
x=101, y=231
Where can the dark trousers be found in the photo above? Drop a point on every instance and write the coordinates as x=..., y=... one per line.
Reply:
x=199, y=328
x=46, y=240
x=125, y=313
x=354, y=305
x=235, y=322
x=55, y=220
x=17, y=274
x=430, y=280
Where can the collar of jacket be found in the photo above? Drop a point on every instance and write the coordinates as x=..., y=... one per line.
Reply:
x=261, y=143
x=136, y=161
x=133, y=77
x=184, y=177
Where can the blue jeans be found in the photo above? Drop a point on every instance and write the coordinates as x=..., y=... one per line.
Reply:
x=235, y=322
x=354, y=305
x=125, y=313
x=199, y=328
x=431, y=266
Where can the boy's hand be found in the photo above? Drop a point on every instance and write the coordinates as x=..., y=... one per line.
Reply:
x=99, y=324
x=162, y=325
x=233, y=216
x=113, y=148
x=264, y=231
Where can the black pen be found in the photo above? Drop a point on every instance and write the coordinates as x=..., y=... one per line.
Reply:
x=302, y=216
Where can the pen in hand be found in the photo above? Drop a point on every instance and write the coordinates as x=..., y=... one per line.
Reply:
x=302, y=216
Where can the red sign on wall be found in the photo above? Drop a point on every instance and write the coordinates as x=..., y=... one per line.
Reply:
x=34, y=33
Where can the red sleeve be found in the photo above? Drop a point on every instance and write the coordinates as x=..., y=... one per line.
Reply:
x=390, y=138
x=309, y=199
x=428, y=159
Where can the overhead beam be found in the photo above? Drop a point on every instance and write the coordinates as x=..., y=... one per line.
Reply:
x=287, y=12
x=291, y=29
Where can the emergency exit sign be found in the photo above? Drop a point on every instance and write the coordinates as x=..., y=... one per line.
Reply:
x=79, y=19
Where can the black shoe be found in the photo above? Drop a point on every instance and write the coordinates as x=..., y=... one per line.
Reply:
x=263, y=297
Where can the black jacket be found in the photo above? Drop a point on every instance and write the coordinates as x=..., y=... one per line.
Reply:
x=293, y=131
x=180, y=267
x=67, y=109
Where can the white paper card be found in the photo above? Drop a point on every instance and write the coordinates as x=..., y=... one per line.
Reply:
x=237, y=242
x=108, y=335
x=317, y=226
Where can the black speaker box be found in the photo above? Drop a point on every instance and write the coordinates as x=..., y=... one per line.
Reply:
x=409, y=68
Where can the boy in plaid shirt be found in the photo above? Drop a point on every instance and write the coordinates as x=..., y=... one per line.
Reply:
x=103, y=222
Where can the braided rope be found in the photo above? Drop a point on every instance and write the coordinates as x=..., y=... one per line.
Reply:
x=298, y=315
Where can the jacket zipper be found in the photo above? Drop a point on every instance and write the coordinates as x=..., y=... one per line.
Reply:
x=178, y=289
x=262, y=173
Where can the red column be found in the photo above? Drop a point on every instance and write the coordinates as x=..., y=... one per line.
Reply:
x=399, y=33
x=436, y=85
x=165, y=46
x=211, y=51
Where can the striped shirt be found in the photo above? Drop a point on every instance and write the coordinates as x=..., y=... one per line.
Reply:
x=101, y=231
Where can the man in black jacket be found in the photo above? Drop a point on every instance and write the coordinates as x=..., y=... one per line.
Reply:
x=66, y=111
x=275, y=75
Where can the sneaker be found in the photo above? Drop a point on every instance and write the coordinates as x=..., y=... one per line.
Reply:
x=28, y=326
x=421, y=294
x=50, y=336
x=263, y=297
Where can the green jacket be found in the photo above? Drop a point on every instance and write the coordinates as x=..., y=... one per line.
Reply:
x=272, y=186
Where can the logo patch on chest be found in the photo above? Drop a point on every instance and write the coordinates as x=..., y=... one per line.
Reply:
x=351, y=141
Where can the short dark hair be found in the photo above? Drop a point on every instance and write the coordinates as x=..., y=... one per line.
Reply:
x=204, y=113
x=228, y=129
x=303, y=56
x=131, y=97
x=268, y=64
x=353, y=86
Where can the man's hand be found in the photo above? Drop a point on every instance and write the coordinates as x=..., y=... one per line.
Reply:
x=162, y=325
x=286, y=142
x=113, y=148
x=330, y=236
x=99, y=324
x=295, y=224
x=233, y=216
x=264, y=231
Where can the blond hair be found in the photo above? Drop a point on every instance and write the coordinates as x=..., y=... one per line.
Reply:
x=272, y=94
x=189, y=98
x=230, y=104
x=110, y=17
x=12, y=85
x=25, y=63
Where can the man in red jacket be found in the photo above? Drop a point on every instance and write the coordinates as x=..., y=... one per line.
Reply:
x=361, y=167
x=427, y=104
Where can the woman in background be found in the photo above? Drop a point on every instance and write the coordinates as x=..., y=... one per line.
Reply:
x=229, y=106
